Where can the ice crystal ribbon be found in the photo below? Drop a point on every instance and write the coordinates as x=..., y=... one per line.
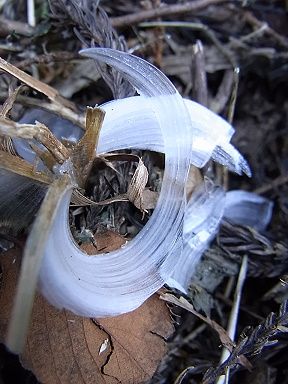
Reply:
x=132, y=123
x=249, y=209
x=110, y=284
x=208, y=206
x=187, y=133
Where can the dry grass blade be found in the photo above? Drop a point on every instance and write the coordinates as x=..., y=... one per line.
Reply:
x=54, y=146
x=6, y=143
x=12, y=129
x=31, y=263
x=36, y=131
x=234, y=317
x=83, y=153
x=108, y=158
x=200, y=79
x=9, y=102
x=79, y=199
x=52, y=94
x=47, y=158
x=174, y=9
x=94, y=121
x=12, y=26
x=57, y=108
x=22, y=167
x=183, y=303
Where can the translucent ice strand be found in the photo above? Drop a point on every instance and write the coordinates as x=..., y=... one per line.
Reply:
x=106, y=285
x=167, y=249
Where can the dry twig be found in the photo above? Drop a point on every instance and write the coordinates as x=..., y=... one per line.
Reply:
x=234, y=315
x=168, y=10
x=12, y=26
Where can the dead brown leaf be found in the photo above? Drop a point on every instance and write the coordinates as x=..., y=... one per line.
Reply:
x=104, y=242
x=64, y=348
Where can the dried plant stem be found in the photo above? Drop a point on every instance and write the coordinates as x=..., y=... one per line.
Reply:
x=6, y=142
x=6, y=145
x=177, y=9
x=54, y=146
x=9, y=102
x=234, y=94
x=80, y=200
x=36, y=131
x=135, y=192
x=58, y=109
x=231, y=111
x=31, y=13
x=200, y=82
x=281, y=180
x=21, y=167
x=50, y=92
x=198, y=27
x=9, y=26
x=31, y=263
x=52, y=57
x=183, y=303
x=83, y=152
x=38, y=85
x=234, y=315
x=252, y=20
x=223, y=93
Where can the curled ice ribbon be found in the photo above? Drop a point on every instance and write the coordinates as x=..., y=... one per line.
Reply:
x=249, y=209
x=202, y=218
x=159, y=119
x=118, y=282
x=132, y=123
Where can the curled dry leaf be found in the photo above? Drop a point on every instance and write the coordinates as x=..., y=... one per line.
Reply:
x=64, y=348
x=141, y=197
x=137, y=185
